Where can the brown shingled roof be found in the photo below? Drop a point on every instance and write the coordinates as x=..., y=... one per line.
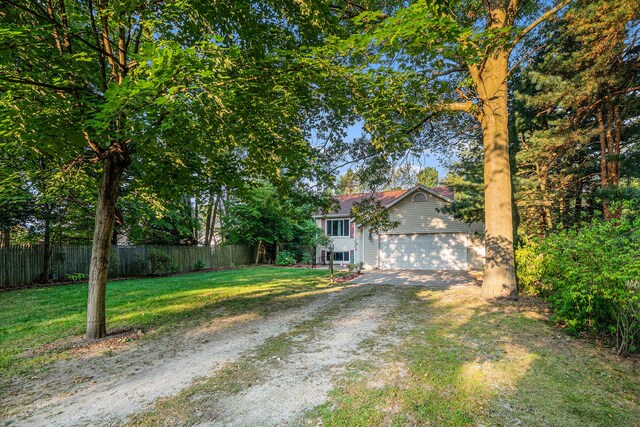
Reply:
x=385, y=197
x=445, y=191
x=347, y=200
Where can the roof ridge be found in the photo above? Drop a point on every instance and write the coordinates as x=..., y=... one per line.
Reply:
x=372, y=192
x=386, y=197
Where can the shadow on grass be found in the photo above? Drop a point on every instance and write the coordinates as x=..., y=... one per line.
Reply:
x=469, y=362
x=33, y=321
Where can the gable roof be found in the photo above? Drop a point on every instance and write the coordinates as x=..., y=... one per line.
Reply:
x=386, y=198
x=347, y=200
x=431, y=191
x=445, y=191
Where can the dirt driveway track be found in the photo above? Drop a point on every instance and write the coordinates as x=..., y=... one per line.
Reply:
x=323, y=336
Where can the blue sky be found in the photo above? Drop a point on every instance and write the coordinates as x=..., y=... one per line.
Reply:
x=427, y=159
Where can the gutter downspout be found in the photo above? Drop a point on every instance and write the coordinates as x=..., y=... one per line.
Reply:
x=378, y=252
x=362, y=248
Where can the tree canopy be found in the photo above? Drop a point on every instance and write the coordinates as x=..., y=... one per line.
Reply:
x=178, y=93
x=197, y=123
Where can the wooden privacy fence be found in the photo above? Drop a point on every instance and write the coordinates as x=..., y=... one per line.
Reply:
x=21, y=265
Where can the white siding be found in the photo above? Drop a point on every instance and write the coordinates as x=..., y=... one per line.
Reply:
x=341, y=244
x=370, y=250
x=423, y=217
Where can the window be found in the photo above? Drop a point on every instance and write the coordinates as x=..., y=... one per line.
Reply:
x=341, y=256
x=420, y=197
x=338, y=227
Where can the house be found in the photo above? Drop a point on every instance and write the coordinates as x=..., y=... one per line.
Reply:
x=425, y=239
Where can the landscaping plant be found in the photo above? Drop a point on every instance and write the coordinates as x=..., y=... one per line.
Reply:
x=199, y=265
x=590, y=277
x=160, y=262
x=285, y=258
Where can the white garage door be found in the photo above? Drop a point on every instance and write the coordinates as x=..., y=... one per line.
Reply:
x=423, y=251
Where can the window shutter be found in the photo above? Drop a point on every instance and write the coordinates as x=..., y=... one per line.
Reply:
x=352, y=231
x=324, y=225
x=323, y=256
x=351, y=256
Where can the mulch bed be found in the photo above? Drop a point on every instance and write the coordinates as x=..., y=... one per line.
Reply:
x=347, y=277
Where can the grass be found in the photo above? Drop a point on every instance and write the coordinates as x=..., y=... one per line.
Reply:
x=33, y=318
x=459, y=361
x=465, y=362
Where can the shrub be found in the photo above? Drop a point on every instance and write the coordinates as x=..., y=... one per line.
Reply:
x=627, y=313
x=306, y=259
x=528, y=270
x=355, y=268
x=199, y=265
x=139, y=265
x=590, y=276
x=76, y=277
x=285, y=258
x=159, y=262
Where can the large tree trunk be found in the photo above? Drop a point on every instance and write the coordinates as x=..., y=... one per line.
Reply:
x=113, y=168
x=499, y=278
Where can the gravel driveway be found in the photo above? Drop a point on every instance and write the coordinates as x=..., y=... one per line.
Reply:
x=433, y=279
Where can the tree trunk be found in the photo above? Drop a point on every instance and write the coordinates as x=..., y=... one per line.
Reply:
x=223, y=199
x=207, y=222
x=577, y=213
x=214, y=216
x=210, y=221
x=543, y=179
x=5, y=238
x=113, y=168
x=617, y=123
x=499, y=278
x=258, y=251
x=196, y=222
x=609, y=129
x=604, y=175
x=46, y=259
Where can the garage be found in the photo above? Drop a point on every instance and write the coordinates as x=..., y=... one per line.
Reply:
x=432, y=251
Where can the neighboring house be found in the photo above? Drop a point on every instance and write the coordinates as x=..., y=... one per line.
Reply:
x=425, y=239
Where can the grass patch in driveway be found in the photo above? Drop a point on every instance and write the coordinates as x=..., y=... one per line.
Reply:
x=466, y=362
x=32, y=321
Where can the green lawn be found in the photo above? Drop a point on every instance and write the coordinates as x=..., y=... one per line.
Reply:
x=458, y=361
x=32, y=318
x=466, y=362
